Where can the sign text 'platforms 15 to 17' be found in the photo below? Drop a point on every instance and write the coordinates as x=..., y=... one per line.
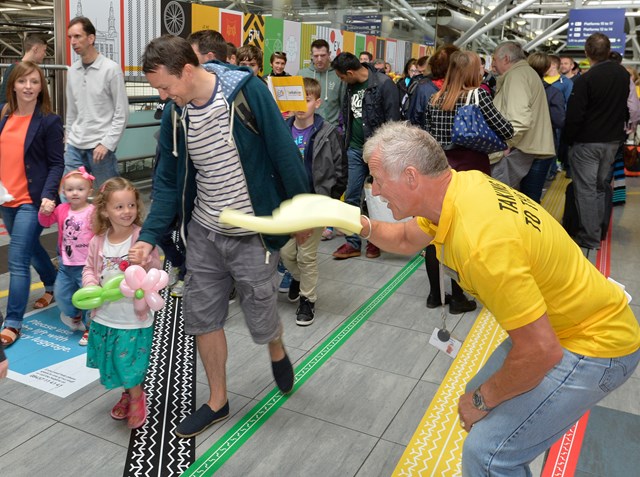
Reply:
x=585, y=22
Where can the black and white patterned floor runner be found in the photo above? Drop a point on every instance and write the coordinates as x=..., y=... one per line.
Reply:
x=154, y=449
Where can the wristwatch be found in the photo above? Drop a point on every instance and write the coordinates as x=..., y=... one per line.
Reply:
x=478, y=401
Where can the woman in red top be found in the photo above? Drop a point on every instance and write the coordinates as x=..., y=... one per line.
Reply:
x=31, y=166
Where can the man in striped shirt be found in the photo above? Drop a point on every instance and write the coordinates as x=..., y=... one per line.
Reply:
x=214, y=154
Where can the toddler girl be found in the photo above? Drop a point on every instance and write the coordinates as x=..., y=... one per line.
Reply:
x=119, y=339
x=74, y=234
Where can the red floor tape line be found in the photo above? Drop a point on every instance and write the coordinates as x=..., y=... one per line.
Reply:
x=562, y=460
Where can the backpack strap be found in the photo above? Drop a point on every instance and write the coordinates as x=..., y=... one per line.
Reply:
x=476, y=98
x=243, y=110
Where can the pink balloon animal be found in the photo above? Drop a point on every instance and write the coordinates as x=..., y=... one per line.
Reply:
x=143, y=287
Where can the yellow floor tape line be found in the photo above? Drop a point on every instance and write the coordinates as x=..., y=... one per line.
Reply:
x=436, y=447
x=553, y=200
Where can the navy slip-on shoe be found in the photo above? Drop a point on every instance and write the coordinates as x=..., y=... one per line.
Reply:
x=201, y=420
x=283, y=374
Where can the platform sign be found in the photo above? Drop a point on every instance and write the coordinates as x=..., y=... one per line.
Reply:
x=585, y=22
x=367, y=24
x=48, y=356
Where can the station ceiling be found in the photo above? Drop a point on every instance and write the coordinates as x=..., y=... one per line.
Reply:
x=535, y=23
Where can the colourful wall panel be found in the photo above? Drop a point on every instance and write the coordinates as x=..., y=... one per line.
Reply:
x=415, y=51
x=307, y=36
x=361, y=44
x=273, y=40
x=292, y=46
x=231, y=26
x=348, y=41
x=381, y=46
x=253, y=30
x=204, y=17
x=370, y=46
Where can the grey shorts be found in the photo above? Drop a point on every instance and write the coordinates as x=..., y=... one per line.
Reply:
x=214, y=262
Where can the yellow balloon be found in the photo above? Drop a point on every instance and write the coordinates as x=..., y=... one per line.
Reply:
x=304, y=211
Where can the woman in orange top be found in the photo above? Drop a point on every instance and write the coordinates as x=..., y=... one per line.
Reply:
x=31, y=166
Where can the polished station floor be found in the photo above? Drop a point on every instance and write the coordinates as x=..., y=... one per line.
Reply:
x=367, y=375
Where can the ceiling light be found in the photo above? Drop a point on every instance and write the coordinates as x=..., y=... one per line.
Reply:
x=542, y=15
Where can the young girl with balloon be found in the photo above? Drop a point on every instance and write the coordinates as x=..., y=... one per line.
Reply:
x=121, y=330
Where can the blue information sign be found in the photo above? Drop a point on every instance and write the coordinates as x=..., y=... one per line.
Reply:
x=367, y=24
x=585, y=22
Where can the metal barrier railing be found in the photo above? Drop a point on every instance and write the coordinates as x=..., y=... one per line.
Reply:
x=136, y=167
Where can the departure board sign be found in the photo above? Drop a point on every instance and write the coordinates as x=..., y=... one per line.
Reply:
x=585, y=22
x=366, y=24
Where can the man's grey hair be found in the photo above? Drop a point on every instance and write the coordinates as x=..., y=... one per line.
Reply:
x=400, y=145
x=510, y=50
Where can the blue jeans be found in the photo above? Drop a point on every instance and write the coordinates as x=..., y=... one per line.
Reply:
x=358, y=172
x=24, y=249
x=532, y=184
x=103, y=170
x=518, y=430
x=68, y=282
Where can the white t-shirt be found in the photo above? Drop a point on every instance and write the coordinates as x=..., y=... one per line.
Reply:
x=118, y=314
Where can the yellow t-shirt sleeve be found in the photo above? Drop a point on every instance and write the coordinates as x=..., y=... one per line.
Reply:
x=427, y=226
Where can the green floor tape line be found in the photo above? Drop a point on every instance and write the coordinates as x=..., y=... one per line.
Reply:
x=228, y=444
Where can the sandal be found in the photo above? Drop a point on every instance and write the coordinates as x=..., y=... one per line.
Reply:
x=9, y=335
x=84, y=341
x=327, y=234
x=137, y=417
x=121, y=410
x=44, y=301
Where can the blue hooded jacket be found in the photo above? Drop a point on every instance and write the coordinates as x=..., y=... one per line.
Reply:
x=270, y=159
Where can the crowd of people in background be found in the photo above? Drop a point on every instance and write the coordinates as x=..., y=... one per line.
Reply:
x=235, y=149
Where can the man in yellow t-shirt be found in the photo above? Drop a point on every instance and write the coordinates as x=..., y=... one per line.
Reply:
x=572, y=335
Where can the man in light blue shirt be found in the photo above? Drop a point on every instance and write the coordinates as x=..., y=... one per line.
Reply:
x=97, y=106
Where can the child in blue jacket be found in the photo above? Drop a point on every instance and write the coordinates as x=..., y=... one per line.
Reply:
x=325, y=162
